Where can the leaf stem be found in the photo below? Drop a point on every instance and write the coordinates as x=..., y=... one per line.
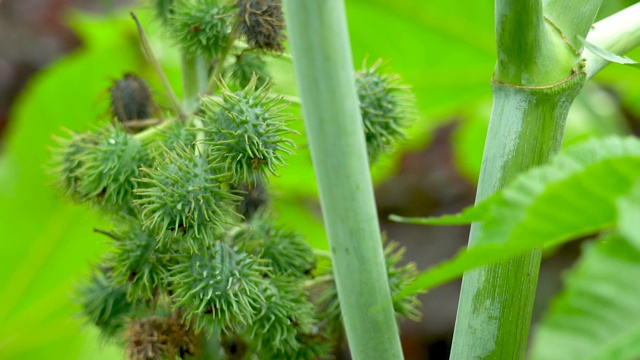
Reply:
x=618, y=33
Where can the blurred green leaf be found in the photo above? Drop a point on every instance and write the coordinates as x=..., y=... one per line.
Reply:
x=574, y=195
x=48, y=242
x=629, y=215
x=597, y=315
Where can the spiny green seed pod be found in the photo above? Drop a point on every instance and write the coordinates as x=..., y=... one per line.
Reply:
x=201, y=27
x=176, y=133
x=246, y=66
x=386, y=107
x=262, y=23
x=219, y=286
x=139, y=262
x=182, y=196
x=99, y=168
x=109, y=167
x=246, y=132
x=399, y=277
x=104, y=305
x=287, y=252
x=285, y=312
x=66, y=164
x=160, y=338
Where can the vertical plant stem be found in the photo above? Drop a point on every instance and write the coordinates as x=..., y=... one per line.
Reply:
x=496, y=301
x=194, y=84
x=537, y=77
x=325, y=77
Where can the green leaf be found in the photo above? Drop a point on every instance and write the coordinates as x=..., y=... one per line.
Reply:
x=629, y=215
x=574, y=195
x=48, y=242
x=609, y=56
x=597, y=316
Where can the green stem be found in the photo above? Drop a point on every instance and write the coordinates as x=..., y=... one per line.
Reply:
x=530, y=52
x=496, y=301
x=326, y=82
x=537, y=77
x=217, y=70
x=194, y=81
x=149, y=133
x=574, y=18
x=618, y=33
x=146, y=47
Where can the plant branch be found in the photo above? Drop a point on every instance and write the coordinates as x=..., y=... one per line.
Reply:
x=618, y=33
x=217, y=70
x=146, y=47
x=324, y=73
x=530, y=51
x=536, y=80
x=573, y=18
x=194, y=81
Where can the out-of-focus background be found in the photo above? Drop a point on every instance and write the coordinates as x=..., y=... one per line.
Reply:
x=59, y=57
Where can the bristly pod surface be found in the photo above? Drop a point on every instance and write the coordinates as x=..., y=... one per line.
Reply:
x=285, y=312
x=66, y=164
x=246, y=132
x=398, y=277
x=99, y=168
x=219, y=286
x=386, y=107
x=183, y=198
x=139, y=263
x=262, y=24
x=103, y=304
x=247, y=65
x=201, y=27
x=285, y=250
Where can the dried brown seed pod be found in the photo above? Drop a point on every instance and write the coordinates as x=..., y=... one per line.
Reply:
x=262, y=23
x=132, y=103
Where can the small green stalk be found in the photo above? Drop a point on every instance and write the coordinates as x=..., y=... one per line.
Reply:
x=538, y=75
x=325, y=76
x=148, y=51
x=618, y=33
x=194, y=81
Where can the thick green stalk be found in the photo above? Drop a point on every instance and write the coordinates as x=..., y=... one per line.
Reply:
x=536, y=80
x=496, y=301
x=527, y=45
x=574, y=18
x=325, y=77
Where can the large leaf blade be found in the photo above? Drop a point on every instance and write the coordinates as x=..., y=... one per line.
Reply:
x=597, y=316
x=574, y=195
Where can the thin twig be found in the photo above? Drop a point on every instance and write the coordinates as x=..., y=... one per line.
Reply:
x=217, y=70
x=107, y=233
x=146, y=47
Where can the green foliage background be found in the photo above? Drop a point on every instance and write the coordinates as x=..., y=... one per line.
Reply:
x=445, y=50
